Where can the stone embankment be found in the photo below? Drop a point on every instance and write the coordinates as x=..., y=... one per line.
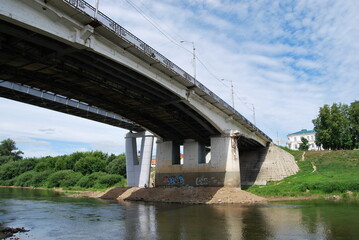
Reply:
x=192, y=195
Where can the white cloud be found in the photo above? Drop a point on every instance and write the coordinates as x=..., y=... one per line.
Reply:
x=286, y=58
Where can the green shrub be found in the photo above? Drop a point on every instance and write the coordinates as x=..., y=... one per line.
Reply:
x=90, y=164
x=117, y=165
x=68, y=161
x=63, y=178
x=89, y=181
x=25, y=179
x=39, y=178
x=7, y=182
x=100, y=180
x=71, y=180
x=45, y=163
x=12, y=169
x=85, y=182
x=108, y=180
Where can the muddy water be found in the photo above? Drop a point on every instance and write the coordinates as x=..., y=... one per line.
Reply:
x=49, y=215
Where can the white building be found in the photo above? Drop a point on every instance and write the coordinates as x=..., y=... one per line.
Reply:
x=294, y=139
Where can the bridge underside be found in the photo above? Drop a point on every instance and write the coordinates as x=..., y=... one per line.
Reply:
x=41, y=62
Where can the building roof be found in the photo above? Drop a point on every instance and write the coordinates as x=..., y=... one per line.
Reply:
x=303, y=131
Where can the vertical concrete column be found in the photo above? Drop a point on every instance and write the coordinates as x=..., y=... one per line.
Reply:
x=132, y=167
x=191, y=154
x=225, y=159
x=138, y=172
x=146, y=157
x=164, y=155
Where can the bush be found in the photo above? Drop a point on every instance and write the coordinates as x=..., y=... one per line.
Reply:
x=90, y=164
x=108, y=180
x=25, y=179
x=68, y=162
x=46, y=163
x=63, y=178
x=117, y=165
x=100, y=180
x=39, y=178
x=85, y=182
x=7, y=182
x=12, y=169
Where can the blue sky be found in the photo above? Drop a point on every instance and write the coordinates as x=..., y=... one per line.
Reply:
x=285, y=58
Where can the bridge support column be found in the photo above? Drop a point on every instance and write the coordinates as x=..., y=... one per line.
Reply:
x=221, y=170
x=138, y=167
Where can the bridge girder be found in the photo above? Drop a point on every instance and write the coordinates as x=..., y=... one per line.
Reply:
x=103, y=68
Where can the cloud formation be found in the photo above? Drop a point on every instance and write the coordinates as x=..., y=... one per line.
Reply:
x=285, y=58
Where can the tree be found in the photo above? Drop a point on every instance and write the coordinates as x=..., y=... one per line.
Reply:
x=117, y=165
x=90, y=164
x=354, y=120
x=323, y=128
x=334, y=127
x=304, y=145
x=8, y=149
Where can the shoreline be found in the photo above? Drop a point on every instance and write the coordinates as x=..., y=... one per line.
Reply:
x=180, y=195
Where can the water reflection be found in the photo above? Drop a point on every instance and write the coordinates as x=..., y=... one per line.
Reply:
x=53, y=216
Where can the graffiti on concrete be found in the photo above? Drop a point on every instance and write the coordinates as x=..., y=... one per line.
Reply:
x=202, y=181
x=173, y=180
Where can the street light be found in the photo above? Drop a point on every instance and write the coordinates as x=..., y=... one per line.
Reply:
x=232, y=91
x=194, y=57
x=96, y=9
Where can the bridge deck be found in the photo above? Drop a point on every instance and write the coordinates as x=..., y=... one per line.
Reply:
x=28, y=57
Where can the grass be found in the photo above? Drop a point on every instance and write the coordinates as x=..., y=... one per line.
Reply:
x=337, y=172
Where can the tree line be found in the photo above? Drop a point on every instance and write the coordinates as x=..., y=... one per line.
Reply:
x=337, y=126
x=78, y=170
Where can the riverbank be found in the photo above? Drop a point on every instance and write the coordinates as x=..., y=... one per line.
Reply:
x=187, y=195
x=190, y=195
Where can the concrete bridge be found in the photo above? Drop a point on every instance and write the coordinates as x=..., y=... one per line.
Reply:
x=66, y=56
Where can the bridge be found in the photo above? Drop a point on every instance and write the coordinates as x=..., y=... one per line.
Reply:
x=66, y=56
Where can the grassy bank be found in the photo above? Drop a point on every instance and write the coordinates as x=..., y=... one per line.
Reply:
x=321, y=173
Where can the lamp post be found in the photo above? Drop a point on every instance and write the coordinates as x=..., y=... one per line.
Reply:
x=232, y=91
x=96, y=9
x=194, y=57
x=254, y=115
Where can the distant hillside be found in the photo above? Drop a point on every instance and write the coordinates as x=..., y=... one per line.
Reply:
x=321, y=172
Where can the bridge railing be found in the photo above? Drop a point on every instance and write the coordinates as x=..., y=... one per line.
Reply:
x=149, y=51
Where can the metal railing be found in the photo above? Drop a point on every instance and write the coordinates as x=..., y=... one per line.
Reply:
x=114, y=27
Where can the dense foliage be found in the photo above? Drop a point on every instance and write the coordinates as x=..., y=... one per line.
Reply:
x=9, y=151
x=322, y=172
x=75, y=171
x=337, y=126
x=304, y=145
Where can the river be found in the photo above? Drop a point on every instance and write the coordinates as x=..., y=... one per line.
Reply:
x=49, y=215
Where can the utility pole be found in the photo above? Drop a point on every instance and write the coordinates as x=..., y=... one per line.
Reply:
x=194, y=57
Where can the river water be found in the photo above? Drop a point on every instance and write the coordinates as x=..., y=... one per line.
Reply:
x=49, y=215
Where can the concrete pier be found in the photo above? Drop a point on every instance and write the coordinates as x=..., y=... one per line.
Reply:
x=214, y=165
x=138, y=166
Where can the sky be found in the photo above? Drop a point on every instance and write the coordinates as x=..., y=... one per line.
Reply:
x=286, y=59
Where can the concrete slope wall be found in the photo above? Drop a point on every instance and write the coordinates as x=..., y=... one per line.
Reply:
x=269, y=164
